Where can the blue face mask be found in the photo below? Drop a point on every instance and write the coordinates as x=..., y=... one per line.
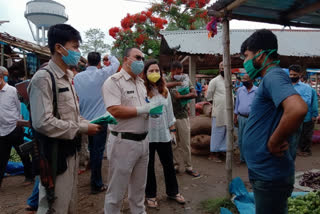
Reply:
x=72, y=58
x=5, y=78
x=137, y=67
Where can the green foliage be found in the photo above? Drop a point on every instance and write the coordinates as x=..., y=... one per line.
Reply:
x=212, y=206
x=143, y=29
x=94, y=42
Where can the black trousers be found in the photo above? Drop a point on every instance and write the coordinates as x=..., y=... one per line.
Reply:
x=164, y=151
x=15, y=138
x=306, y=136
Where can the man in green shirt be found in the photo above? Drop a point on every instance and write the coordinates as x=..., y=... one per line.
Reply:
x=175, y=81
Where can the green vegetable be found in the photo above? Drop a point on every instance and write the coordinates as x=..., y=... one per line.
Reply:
x=14, y=157
x=307, y=204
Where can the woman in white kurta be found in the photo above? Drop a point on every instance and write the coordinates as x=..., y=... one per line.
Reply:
x=160, y=135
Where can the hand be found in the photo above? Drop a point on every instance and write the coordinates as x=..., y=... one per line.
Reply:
x=177, y=95
x=235, y=120
x=314, y=119
x=179, y=83
x=23, y=123
x=278, y=149
x=93, y=129
x=150, y=108
x=173, y=138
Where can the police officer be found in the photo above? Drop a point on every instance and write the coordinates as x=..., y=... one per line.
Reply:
x=125, y=95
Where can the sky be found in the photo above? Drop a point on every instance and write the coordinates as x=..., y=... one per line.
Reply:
x=83, y=15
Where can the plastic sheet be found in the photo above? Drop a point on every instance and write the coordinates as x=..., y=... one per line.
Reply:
x=14, y=168
x=224, y=211
x=244, y=200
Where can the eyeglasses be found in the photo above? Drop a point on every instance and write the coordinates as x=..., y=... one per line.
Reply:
x=139, y=58
x=106, y=60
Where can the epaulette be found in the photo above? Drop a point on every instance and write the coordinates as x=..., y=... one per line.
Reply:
x=116, y=76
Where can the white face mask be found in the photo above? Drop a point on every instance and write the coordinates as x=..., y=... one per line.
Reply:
x=178, y=77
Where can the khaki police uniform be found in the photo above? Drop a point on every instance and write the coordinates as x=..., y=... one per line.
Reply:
x=127, y=148
x=67, y=127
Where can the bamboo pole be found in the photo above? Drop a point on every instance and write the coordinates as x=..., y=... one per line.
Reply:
x=192, y=75
x=25, y=65
x=2, y=54
x=229, y=100
x=317, y=82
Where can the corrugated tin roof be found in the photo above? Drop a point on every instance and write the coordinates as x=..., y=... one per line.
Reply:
x=286, y=12
x=290, y=42
x=26, y=45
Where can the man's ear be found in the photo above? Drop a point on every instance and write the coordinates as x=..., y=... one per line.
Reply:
x=260, y=57
x=58, y=49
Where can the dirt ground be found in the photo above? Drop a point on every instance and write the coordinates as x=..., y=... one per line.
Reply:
x=211, y=184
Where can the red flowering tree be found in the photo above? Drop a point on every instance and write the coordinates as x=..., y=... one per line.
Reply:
x=142, y=29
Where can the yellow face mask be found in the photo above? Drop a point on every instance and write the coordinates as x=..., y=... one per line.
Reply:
x=154, y=77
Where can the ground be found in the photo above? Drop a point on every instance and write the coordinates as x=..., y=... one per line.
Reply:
x=211, y=184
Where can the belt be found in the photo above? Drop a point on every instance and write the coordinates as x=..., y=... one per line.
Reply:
x=242, y=115
x=130, y=136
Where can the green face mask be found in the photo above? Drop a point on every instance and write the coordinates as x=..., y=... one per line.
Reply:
x=251, y=70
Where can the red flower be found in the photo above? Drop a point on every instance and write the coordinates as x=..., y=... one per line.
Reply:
x=113, y=31
x=140, y=39
x=127, y=22
x=154, y=19
x=149, y=13
x=192, y=4
x=169, y=2
x=204, y=14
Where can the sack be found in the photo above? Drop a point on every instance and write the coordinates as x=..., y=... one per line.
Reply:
x=201, y=142
x=200, y=125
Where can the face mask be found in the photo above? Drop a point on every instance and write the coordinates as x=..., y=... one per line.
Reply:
x=247, y=84
x=72, y=58
x=5, y=78
x=251, y=69
x=178, y=77
x=294, y=79
x=137, y=67
x=154, y=77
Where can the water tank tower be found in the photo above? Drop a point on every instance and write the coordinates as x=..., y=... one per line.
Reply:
x=43, y=14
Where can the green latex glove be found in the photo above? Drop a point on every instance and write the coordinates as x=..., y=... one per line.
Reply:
x=105, y=120
x=156, y=110
x=184, y=91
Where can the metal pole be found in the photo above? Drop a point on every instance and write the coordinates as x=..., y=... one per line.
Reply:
x=192, y=75
x=229, y=100
x=43, y=36
x=38, y=39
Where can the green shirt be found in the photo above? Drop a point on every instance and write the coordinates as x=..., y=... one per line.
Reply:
x=180, y=112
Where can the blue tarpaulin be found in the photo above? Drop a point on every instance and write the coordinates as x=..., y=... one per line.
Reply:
x=224, y=211
x=244, y=200
x=14, y=168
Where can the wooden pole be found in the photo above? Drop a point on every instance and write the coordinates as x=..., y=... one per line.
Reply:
x=2, y=54
x=25, y=65
x=317, y=82
x=229, y=99
x=192, y=75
